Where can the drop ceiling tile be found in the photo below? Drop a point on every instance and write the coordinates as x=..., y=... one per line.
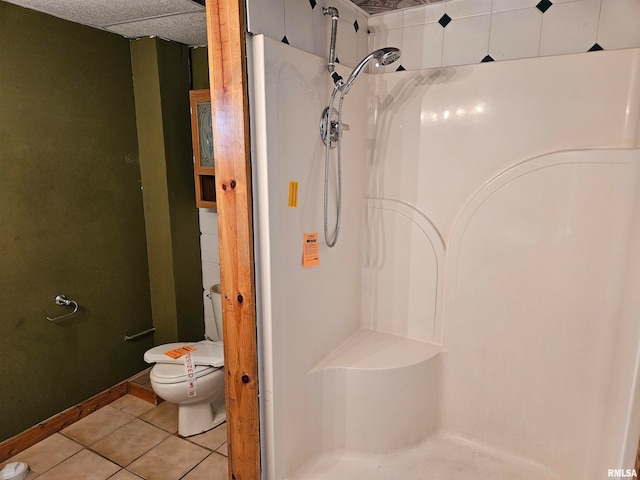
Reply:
x=99, y=13
x=187, y=28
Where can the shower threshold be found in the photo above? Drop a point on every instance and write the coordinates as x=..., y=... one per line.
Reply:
x=439, y=458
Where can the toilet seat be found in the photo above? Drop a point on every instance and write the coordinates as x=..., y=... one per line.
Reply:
x=206, y=353
x=168, y=373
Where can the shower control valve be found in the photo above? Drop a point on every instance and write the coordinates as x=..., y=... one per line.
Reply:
x=335, y=128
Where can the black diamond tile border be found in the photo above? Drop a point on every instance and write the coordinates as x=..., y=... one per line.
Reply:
x=313, y=4
x=544, y=5
x=444, y=20
x=596, y=48
x=356, y=26
x=400, y=69
x=285, y=40
x=488, y=58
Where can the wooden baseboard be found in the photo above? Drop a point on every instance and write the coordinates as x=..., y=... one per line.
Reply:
x=33, y=435
x=144, y=393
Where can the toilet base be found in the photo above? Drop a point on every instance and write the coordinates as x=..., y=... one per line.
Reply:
x=198, y=418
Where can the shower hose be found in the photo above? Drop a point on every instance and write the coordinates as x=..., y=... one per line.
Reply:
x=331, y=241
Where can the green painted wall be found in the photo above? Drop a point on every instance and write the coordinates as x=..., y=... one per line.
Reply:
x=72, y=217
x=199, y=68
x=161, y=85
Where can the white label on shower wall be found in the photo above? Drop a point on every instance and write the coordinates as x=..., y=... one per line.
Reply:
x=191, y=375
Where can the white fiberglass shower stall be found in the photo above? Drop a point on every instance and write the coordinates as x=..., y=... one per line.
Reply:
x=479, y=316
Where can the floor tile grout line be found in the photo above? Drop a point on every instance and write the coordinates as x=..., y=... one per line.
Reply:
x=214, y=452
x=209, y=450
x=158, y=426
x=194, y=467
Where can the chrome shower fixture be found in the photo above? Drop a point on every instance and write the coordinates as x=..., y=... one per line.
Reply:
x=334, y=32
x=331, y=126
x=383, y=56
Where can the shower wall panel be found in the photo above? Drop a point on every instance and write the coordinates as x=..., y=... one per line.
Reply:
x=538, y=245
x=489, y=222
x=534, y=333
x=306, y=311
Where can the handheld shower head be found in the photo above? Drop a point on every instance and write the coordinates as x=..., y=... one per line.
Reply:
x=387, y=55
x=383, y=56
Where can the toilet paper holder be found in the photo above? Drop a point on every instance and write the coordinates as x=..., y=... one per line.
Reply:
x=63, y=301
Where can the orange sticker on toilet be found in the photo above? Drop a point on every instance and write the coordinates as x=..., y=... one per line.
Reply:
x=180, y=351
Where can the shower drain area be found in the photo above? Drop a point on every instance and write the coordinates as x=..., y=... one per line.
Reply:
x=441, y=457
x=382, y=415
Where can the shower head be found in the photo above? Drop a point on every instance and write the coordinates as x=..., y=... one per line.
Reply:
x=383, y=56
x=387, y=55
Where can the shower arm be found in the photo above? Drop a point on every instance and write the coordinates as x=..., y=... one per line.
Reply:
x=334, y=33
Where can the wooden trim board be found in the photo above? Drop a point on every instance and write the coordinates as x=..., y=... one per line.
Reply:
x=144, y=393
x=33, y=435
x=229, y=101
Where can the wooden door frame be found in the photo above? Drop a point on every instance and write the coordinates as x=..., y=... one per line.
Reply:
x=230, y=112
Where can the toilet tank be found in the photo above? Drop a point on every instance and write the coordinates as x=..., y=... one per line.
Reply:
x=213, y=329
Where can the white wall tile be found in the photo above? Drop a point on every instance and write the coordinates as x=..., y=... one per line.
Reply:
x=209, y=252
x=570, y=27
x=298, y=24
x=387, y=21
x=209, y=248
x=347, y=44
x=467, y=8
x=422, y=46
x=208, y=220
x=306, y=28
x=321, y=31
x=619, y=25
x=208, y=307
x=506, y=5
x=347, y=12
x=421, y=15
x=267, y=17
x=210, y=275
x=515, y=34
x=466, y=40
x=362, y=37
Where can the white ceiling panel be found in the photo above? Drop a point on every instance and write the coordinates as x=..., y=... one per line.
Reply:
x=100, y=13
x=173, y=17
x=188, y=28
x=178, y=20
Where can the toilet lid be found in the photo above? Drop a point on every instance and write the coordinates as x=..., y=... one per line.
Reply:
x=206, y=353
x=165, y=373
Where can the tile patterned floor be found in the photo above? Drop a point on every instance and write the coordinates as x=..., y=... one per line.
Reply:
x=128, y=439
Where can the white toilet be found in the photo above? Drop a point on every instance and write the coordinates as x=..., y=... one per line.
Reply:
x=201, y=406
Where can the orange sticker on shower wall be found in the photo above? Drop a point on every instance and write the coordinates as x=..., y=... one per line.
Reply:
x=310, y=251
x=180, y=351
x=293, y=194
